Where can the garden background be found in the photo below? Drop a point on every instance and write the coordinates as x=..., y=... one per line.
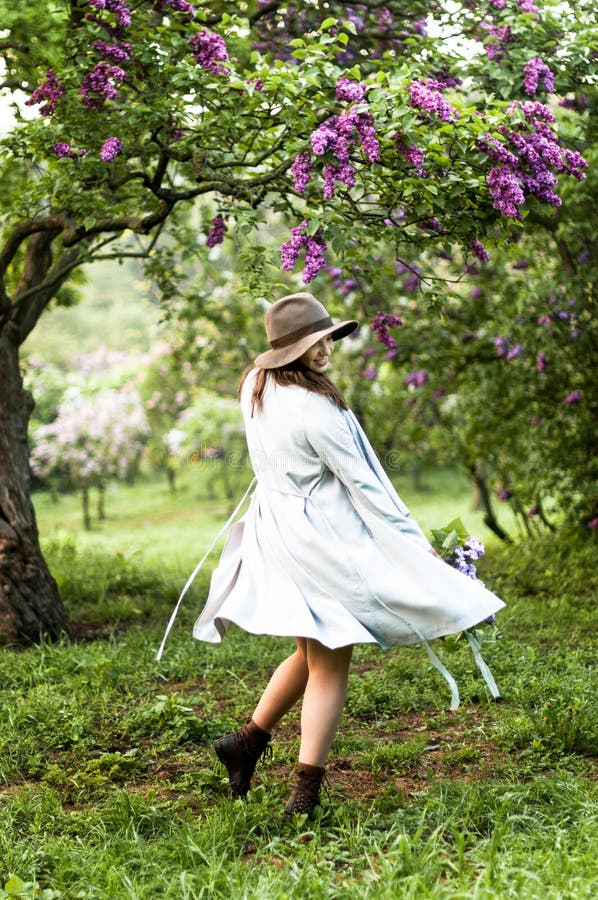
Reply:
x=168, y=170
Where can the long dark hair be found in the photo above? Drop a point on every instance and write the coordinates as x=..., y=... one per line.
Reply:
x=292, y=374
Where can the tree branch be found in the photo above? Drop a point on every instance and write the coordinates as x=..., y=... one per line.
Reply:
x=21, y=232
x=14, y=45
x=40, y=296
x=264, y=10
x=140, y=225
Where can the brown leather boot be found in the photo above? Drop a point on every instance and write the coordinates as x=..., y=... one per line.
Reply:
x=306, y=793
x=240, y=752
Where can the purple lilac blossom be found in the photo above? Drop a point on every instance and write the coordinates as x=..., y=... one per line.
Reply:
x=461, y=564
x=412, y=154
x=593, y=523
x=350, y=284
x=502, y=346
x=64, y=150
x=413, y=279
x=352, y=91
x=179, y=6
x=97, y=86
x=380, y=325
x=366, y=130
x=209, y=51
x=110, y=149
x=575, y=164
x=48, y=93
x=289, y=251
x=541, y=362
x=370, y=372
x=301, y=171
x=506, y=192
x=528, y=170
x=476, y=292
x=119, y=53
x=337, y=136
x=515, y=351
x=420, y=27
x=315, y=248
x=478, y=249
x=536, y=70
x=427, y=98
x=411, y=284
x=417, y=378
x=527, y=6
x=505, y=493
x=432, y=224
x=533, y=110
x=498, y=152
x=344, y=173
x=315, y=258
x=499, y=35
x=573, y=397
x=122, y=13
x=474, y=548
x=384, y=20
x=217, y=232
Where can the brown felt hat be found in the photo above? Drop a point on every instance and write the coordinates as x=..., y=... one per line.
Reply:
x=293, y=325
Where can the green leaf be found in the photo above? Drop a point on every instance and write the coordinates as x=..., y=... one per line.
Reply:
x=451, y=541
x=458, y=526
x=328, y=23
x=14, y=886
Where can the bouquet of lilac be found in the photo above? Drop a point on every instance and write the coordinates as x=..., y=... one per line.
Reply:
x=454, y=544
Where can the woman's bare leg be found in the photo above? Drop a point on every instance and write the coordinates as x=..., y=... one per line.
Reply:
x=323, y=700
x=285, y=687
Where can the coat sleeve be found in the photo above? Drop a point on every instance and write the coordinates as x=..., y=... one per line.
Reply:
x=340, y=442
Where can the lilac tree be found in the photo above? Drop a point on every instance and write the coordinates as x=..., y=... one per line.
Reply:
x=361, y=125
x=94, y=438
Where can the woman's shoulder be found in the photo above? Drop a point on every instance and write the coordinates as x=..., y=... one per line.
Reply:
x=321, y=412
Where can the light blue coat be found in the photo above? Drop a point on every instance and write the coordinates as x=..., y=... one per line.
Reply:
x=327, y=549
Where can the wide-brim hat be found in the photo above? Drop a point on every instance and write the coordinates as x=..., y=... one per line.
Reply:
x=293, y=325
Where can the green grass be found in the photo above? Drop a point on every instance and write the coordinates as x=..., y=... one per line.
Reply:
x=109, y=787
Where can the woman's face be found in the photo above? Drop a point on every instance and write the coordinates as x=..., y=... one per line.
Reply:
x=317, y=358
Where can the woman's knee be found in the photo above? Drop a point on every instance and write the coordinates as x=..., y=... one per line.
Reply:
x=322, y=658
x=301, y=646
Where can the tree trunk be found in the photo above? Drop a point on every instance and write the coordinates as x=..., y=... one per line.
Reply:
x=30, y=605
x=171, y=477
x=85, y=508
x=101, y=501
x=490, y=520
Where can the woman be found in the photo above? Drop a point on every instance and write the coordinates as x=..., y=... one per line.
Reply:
x=326, y=552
